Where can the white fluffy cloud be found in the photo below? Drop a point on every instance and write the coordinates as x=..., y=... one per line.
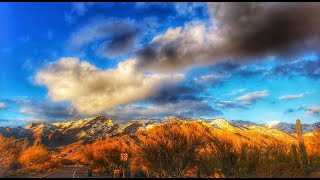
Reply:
x=291, y=96
x=180, y=47
x=92, y=90
x=252, y=97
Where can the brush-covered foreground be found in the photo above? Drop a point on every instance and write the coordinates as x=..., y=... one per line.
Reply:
x=174, y=149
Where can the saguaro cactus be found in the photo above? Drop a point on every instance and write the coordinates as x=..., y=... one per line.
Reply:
x=302, y=148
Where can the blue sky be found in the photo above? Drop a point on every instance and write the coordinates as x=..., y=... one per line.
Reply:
x=64, y=61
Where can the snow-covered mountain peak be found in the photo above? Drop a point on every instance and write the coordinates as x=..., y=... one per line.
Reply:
x=220, y=122
x=272, y=124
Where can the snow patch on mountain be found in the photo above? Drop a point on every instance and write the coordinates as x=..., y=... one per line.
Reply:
x=272, y=124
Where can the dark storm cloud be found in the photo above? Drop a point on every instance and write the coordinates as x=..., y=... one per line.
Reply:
x=176, y=94
x=242, y=31
x=110, y=37
x=123, y=39
x=47, y=111
x=176, y=49
x=256, y=29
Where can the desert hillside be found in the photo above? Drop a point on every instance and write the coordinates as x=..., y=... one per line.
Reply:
x=169, y=147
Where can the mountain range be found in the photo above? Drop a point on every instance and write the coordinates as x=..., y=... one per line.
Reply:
x=87, y=130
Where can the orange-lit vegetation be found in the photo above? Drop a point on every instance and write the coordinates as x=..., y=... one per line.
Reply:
x=104, y=155
x=36, y=157
x=194, y=149
x=175, y=149
x=10, y=150
x=171, y=150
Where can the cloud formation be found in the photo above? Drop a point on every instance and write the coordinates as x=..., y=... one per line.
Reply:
x=314, y=110
x=176, y=94
x=307, y=68
x=242, y=31
x=236, y=91
x=242, y=102
x=176, y=49
x=291, y=96
x=30, y=109
x=78, y=9
x=253, y=97
x=289, y=69
x=212, y=79
x=311, y=110
x=92, y=90
x=190, y=9
x=258, y=29
x=46, y=110
x=193, y=109
x=113, y=36
x=231, y=105
x=2, y=105
x=293, y=110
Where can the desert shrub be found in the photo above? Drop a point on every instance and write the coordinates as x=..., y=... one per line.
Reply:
x=218, y=156
x=36, y=157
x=10, y=150
x=249, y=158
x=170, y=149
x=314, y=143
x=104, y=155
x=60, y=162
x=277, y=162
x=65, y=161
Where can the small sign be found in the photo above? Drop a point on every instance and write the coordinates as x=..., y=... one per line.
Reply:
x=124, y=156
x=116, y=173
